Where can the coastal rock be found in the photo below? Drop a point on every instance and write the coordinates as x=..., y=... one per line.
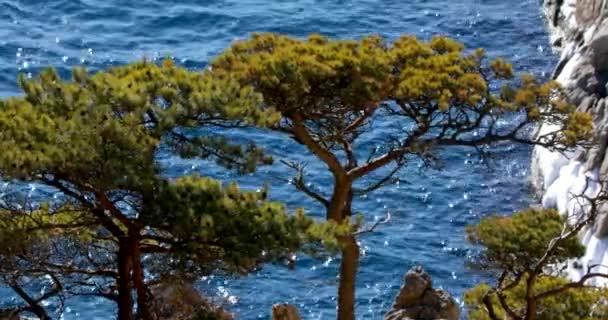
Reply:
x=588, y=11
x=417, y=300
x=285, y=312
x=179, y=300
x=12, y=315
x=560, y=14
x=9, y=315
x=579, y=29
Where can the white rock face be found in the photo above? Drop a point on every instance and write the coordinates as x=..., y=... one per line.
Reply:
x=579, y=29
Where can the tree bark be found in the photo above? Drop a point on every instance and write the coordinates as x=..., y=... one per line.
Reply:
x=125, y=298
x=143, y=308
x=530, y=299
x=340, y=209
x=348, y=275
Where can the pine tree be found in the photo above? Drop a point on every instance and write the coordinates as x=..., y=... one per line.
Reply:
x=526, y=253
x=91, y=145
x=330, y=94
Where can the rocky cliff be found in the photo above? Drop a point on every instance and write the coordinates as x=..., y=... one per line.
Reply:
x=579, y=32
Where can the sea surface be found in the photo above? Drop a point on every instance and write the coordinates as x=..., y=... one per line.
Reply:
x=430, y=209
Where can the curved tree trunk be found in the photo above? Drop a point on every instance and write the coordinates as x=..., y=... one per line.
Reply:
x=348, y=275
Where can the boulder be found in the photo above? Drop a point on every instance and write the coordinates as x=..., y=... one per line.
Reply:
x=285, y=312
x=417, y=300
x=179, y=300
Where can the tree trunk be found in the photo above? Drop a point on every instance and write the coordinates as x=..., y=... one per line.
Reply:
x=125, y=298
x=348, y=275
x=340, y=209
x=143, y=310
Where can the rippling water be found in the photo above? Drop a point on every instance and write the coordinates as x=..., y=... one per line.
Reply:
x=429, y=212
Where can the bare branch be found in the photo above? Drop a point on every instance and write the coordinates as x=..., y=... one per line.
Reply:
x=379, y=161
x=571, y=285
x=385, y=220
x=300, y=184
x=384, y=181
x=350, y=155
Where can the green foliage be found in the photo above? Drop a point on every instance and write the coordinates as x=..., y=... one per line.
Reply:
x=434, y=94
x=24, y=230
x=96, y=139
x=583, y=303
x=526, y=249
x=101, y=133
x=309, y=76
x=232, y=229
x=519, y=241
x=103, y=129
x=332, y=82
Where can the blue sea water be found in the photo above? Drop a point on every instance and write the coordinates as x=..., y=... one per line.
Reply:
x=429, y=212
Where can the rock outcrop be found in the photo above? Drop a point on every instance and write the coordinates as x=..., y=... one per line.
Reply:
x=9, y=315
x=285, y=312
x=178, y=300
x=579, y=31
x=12, y=314
x=417, y=300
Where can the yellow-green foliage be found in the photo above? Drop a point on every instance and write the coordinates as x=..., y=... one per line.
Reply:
x=331, y=81
x=20, y=229
x=235, y=229
x=38, y=242
x=98, y=136
x=517, y=242
x=103, y=128
x=513, y=246
x=578, y=303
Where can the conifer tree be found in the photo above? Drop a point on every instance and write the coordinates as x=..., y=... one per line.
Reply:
x=331, y=94
x=527, y=254
x=108, y=221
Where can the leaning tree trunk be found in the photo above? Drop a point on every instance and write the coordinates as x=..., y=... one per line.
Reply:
x=348, y=275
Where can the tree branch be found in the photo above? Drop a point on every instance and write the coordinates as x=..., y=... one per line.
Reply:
x=571, y=285
x=386, y=220
x=489, y=307
x=98, y=212
x=387, y=179
x=298, y=182
x=301, y=133
x=34, y=305
x=379, y=162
